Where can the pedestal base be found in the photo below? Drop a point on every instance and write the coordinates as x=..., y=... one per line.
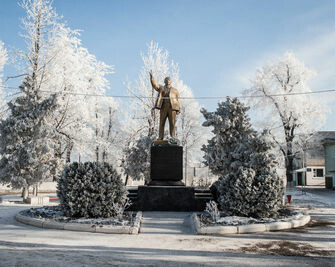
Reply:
x=169, y=198
x=166, y=166
x=165, y=183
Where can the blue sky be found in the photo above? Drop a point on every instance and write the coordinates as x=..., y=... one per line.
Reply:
x=218, y=44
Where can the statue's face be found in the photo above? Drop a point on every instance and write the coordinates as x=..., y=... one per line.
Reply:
x=167, y=81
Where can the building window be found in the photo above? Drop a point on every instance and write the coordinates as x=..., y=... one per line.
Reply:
x=318, y=172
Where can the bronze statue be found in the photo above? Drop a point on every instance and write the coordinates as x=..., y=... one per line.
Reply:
x=168, y=104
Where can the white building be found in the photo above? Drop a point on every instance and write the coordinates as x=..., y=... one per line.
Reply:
x=310, y=162
x=310, y=175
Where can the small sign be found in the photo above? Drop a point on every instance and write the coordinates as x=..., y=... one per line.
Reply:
x=309, y=169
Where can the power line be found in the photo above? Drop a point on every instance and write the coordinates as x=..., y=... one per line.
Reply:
x=199, y=97
x=182, y=97
x=8, y=87
x=288, y=94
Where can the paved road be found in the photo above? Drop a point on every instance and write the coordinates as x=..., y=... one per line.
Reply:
x=166, y=239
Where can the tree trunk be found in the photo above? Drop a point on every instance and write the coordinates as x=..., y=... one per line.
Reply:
x=25, y=192
x=58, y=154
x=35, y=190
x=96, y=134
x=104, y=156
x=104, y=153
x=289, y=163
x=125, y=183
x=97, y=153
x=289, y=168
x=68, y=151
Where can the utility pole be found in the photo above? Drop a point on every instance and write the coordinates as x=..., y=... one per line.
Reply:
x=185, y=164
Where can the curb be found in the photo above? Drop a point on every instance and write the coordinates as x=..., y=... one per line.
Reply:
x=83, y=227
x=249, y=228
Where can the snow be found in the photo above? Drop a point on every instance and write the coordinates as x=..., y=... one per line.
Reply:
x=236, y=220
x=166, y=239
x=54, y=213
x=311, y=196
x=284, y=216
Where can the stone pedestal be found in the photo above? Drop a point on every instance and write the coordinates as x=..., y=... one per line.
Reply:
x=168, y=198
x=166, y=191
x=166, y=165
x=165, y=198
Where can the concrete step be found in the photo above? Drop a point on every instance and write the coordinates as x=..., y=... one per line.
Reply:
x=166, y=223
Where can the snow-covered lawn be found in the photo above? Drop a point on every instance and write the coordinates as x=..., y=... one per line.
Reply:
x=311, y=196
x=54, y=213
x=284, y=215
x=167, y=239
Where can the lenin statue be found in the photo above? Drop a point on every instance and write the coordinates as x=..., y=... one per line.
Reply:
x=168, y=104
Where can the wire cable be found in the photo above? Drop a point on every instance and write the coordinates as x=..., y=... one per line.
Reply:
x=182, y=97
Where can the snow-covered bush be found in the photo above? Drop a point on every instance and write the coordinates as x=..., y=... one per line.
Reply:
x=137, y=159
x=91, y=190
x=249, y=184
x=213, y=211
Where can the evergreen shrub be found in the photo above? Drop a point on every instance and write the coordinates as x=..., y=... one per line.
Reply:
x=91, y=190
x=248, y=183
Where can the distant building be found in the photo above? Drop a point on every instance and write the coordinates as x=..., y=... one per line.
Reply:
x=329, y=147
x=310, y=175
x=316, y=159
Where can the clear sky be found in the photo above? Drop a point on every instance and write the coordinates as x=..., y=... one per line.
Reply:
x=218, y=44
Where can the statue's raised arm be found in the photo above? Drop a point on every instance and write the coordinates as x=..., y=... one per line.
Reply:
x=153, y=83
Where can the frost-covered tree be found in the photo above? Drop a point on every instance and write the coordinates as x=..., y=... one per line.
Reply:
x=189, y=128
x=87, y=124
x=230, y=125
x=26, y=142
x=136, y=164
x=144, y=118
x=3, y=60
x=288, y=115
x=248, y=183
x=59, y=63
x=39, y=25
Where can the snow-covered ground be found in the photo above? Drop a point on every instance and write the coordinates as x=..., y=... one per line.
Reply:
x=311, y=196
x=43, y=187
x=167, y=239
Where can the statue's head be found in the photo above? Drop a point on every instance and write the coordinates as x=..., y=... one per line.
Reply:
x=167, y=81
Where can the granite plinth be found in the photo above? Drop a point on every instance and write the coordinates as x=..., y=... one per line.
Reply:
x=166, y=165
x=169, y=198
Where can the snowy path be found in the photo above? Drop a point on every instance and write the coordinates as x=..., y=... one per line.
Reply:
x=166, y=239
x=163, y=223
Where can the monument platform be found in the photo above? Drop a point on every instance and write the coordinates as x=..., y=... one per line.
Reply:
x=171, y=198
x=166, y=191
